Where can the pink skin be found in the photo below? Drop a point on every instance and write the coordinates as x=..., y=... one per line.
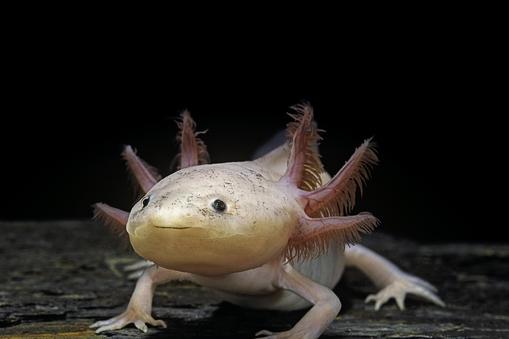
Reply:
x=326, y=305
x=111, y=216
x=344, y=184
x=192, y=149
x=308, y=236
x=393, y=282
x=146, y=176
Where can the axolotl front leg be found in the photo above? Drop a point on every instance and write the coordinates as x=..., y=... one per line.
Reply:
x=392, y=281
x=326, y=305
x=139, y=309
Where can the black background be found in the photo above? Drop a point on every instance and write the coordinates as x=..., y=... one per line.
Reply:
x=429, y=102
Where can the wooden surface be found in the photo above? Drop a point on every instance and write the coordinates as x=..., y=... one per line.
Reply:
x=56, y=278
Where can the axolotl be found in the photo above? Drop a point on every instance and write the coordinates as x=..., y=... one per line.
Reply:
x=274, y=233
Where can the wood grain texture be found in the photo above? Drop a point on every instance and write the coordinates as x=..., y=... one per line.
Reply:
x=56, y=278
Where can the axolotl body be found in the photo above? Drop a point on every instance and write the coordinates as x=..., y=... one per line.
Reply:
x=266, y=234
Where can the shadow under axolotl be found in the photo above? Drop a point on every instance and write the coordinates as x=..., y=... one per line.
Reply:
x=225, y=320
x=231, y=321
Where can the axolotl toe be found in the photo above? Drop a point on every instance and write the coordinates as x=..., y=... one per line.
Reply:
x=267, y=234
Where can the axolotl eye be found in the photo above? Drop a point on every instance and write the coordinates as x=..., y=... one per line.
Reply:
x=219, y=205
x=145, y=202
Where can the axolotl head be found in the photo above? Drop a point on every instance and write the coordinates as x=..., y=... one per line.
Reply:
x=231, y=217
x=212, y=220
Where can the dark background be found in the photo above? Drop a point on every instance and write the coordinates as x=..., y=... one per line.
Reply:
x=430, y=104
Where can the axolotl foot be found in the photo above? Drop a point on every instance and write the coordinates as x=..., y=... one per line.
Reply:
x=129, y=316
x=402, y=284
x=139, y=310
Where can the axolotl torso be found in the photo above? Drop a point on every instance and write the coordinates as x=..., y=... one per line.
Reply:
x=268, y=233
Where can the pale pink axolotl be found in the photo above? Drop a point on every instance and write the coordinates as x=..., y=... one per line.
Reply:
x=266, y=234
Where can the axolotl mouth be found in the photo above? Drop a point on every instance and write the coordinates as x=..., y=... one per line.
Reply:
x=201, y=250
x=173, y=228
x=140, y=230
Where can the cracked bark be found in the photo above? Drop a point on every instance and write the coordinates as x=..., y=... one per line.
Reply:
x=56, y=278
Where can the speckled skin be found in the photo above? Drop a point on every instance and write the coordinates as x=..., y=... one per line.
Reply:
x=238, y=253
x=325, y=269
x=252, y=231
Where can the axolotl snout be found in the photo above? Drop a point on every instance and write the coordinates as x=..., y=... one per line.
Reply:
x=268, y=233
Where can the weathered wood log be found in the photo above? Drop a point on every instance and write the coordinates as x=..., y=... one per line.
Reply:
x=56, y=278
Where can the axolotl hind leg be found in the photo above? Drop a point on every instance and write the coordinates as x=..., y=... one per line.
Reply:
x=392, y=281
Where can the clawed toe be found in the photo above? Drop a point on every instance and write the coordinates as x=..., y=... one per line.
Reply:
x=126, y=318
x=400, y=287
x=264, y=333
x=104, y=322
x=291, y=334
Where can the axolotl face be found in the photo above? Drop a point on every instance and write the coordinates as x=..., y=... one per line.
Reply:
x=212, y=220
